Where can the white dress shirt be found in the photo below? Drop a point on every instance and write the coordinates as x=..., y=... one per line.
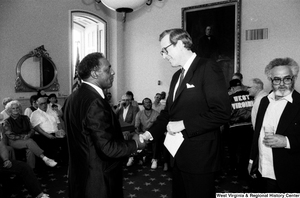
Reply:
x=186, y=67
x=271, y=118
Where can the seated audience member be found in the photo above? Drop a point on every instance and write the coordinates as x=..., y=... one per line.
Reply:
x=256, y=90
x=52, y=100
x=19, y=131
x=4, y=114
x=163, y=97
x=108, y=99
x=238, y=76
x=55, y=109
x=33, y=106
x=11, y=166
x=143, y=121
x=131, y=99
x=240, y=129
x=126, y=114
x=49, y=134
x=156, y=105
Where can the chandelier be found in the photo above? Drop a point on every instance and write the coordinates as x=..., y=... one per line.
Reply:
x=124, y=5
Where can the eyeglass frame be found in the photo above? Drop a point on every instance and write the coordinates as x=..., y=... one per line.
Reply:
x=289, y=78
x=164, y=50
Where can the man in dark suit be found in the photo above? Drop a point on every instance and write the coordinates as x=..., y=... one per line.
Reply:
x=278, y=155
x=196, y=108
x=95, y=140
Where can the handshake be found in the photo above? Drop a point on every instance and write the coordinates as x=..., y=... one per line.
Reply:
x=141, y=140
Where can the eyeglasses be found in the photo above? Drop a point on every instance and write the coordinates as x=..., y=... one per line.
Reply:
x=286, y=80
x=164, y=50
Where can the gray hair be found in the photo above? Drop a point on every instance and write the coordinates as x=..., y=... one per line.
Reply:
x=176, y=35
x=258, y=83
x=9, y=105
x=6, y=100
x=282, y=62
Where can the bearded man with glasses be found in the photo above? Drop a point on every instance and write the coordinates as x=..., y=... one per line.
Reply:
x=276, y=157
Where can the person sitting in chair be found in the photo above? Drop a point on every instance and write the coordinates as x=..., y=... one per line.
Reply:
x=19, y=131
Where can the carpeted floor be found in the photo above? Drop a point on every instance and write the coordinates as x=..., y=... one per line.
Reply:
x=140, y=181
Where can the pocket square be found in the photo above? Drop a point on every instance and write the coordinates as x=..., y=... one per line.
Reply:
x=189, y=85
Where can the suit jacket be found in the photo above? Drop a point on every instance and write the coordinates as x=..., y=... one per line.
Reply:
x=203, y=104
x=130, y=116
x=286, y=162
x=96, y=146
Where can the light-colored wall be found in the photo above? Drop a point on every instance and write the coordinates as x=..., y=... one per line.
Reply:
x=144, y=65
x=25, y=25
x=133, y=47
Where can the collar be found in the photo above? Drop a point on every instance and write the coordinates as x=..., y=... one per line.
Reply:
x=98, y=89
x=188, y=63
x=288, y=98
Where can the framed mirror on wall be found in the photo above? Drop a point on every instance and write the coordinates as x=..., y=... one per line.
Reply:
x=215, y=31
x=36, y=71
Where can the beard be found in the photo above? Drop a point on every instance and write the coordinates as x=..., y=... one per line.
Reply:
x=283, y=90
x=148, y=108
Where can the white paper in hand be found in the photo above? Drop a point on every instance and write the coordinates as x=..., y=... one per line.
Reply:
x=173, y=142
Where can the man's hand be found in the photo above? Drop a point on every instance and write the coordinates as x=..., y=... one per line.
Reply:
x=50, y=136
x=175, y=127
x=126, y=135
x=249, y=171
x=144, y=137
x=7, y=164
x=140, y=145
x=275, y=141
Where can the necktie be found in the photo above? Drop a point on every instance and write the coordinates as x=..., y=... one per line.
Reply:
x=181, y=78
x=180, y=81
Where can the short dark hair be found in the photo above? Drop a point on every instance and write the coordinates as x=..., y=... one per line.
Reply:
x=129, y=93
x=88, y=64
x=33, y=98
x=239, y=75
x=53, y=95
x=146, y=99
x=235, y=83
x=177, y=34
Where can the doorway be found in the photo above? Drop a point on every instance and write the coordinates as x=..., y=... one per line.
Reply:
x=88, y=35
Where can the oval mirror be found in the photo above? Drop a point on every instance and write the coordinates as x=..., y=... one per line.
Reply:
x=36, y=71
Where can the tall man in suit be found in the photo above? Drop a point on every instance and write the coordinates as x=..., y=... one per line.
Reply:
x=95, y=140
x=278, y=154
x=196, y=108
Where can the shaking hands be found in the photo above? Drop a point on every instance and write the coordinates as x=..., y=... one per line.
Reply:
x=140, y=145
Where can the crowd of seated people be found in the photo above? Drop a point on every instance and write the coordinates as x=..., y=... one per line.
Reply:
x=19, y=133
x=132, y=119
x=49, y=131
x=9, y=166
x=35, y=133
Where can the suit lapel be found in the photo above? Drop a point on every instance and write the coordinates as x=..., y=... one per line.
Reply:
x=261, y=113
x=289, y=112
x=187, y=77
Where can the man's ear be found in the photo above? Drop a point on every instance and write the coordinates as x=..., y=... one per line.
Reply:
x=94, y=74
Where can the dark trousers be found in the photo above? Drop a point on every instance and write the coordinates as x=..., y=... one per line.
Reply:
x=27, y=175
x=240, y=139
x=270, y=186
x=188, y=185
x=56, y=149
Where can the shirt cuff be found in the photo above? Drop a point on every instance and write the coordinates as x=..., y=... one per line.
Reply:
x=148, y=135
x=288, y=146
